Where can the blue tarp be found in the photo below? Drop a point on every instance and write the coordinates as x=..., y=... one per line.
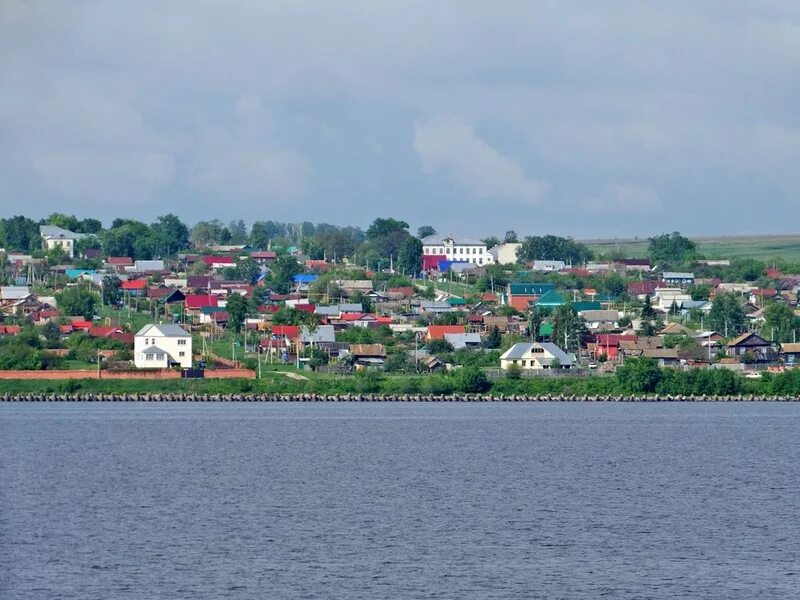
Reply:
x=304, y=278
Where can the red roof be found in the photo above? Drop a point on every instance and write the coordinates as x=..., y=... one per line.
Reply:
x=134, y=284
x=436, y=332
x=65, y=328
x=612, y=340
x=78, y=323
x=200, y=300
x=642, y=288
x=765, y=293
x=268, y=308
x=488, y=297
x=284, y=296
x=119, y=260
x=406, y=291
x=289, y=331
x=305, y=308
x=103, y=331
x=384, y=320
x=218, y=260
x=354, y=316
x=10, y=329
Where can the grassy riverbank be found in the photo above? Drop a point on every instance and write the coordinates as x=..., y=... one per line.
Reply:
x=641, y=381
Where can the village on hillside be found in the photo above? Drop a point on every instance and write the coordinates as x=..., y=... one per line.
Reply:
x=212, y=302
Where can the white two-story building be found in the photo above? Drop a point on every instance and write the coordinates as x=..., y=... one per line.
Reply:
x=465, y=250
x=58, y=237
x=162, y=346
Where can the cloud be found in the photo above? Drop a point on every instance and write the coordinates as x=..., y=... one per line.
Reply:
x=447, y=143
x=626, y=198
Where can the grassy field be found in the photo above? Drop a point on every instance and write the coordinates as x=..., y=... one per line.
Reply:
x=786, y=247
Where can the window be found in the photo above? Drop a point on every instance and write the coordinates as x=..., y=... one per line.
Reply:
x=148, y=357
x=181, y=353
x=480, y=261
x=182, y=342
x=159, y=357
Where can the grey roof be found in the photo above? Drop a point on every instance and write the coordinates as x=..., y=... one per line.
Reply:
x=329, y=311
x=460, y=340
x=149, y=265
x=51, y=231
x=563, y=357
x=677, y=275
x=434, y=240
x=165, y=329
x=14, y=292
x=600, y=315
x=323, y=333
x=517, y=351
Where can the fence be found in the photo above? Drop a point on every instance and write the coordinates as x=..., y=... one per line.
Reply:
x=155, y=374
x=542, y=373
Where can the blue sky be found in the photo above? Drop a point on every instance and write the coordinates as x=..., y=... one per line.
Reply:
x=616, y=118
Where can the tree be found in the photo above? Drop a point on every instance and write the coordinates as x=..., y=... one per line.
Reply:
x=20, y=233
x=384, y=227
x=206, y=233
x=439, y=347
x=569, y=329
x=169, y=235
x=510, y=237
x=284, y=269
x=236, y=307
x=112, y=290
x=409, y=260
x=650, y=323
x=425, y=231
x=639, y=375
x=493, y=339
x=671, y=248
x=491, y=242
x=780, y=323
x=51, y=331
x=76, y=301
x=726, y=315
x=551, y=247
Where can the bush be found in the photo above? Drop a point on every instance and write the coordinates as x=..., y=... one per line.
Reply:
x=472, y=380
x=514, y=372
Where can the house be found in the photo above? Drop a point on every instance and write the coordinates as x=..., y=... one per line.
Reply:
x=119, y=263
x=665, y=357
x=635, y=264
x=322, y=334
x=162, y=346
x=505, y=254
x=677, y=278
x=350, y=287
x=368, y=354
x=200, y=301
x=218, y=262
x=600, y=319
x=434, y=307
x=521, y=295
x=135, y=287
x=264, y=257
x=669, y=297
x=640, y=289
x=548, y=266
x=460, y=341
x=751, y=345
x=58, y=237
x=535, y=356
x=790, y=353
x=166, y=294
x=146, y=266
x=437, y=332
x=607, y=344
x=469, y=250
x=551, y=299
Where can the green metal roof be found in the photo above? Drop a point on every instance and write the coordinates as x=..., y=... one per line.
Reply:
x=545, y=330
x=586, y=305
x=530, y=289
x=551, y=298
x=456, y=301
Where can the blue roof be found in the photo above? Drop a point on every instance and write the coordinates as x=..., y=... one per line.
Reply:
x=444, y=265
x=75, y=273
x=304, y=278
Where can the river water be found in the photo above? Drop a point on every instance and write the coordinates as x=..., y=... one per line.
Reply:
x=373, y=501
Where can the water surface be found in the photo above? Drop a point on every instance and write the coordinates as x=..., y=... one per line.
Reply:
x=373, y=501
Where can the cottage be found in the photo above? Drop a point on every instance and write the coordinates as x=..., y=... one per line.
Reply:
x=162, y=346
x=535, y=356
x=751, y=346
x=460, y=341
x=58, y=237
x=677, y=278
x=437, y=332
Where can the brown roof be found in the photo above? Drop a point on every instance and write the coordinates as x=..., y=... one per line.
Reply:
x=376, y=350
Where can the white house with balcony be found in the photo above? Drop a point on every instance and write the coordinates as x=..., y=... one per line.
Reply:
x=162, y=346
x=464, y=250
x=536, y=356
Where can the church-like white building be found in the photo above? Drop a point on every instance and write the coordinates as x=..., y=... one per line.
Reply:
x=460, y=250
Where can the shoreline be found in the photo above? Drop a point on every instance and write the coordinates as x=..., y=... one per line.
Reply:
x=409, y=398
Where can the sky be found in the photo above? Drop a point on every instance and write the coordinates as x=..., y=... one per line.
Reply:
x=589, y=119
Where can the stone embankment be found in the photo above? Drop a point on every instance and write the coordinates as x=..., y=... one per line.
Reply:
x=258, y=397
